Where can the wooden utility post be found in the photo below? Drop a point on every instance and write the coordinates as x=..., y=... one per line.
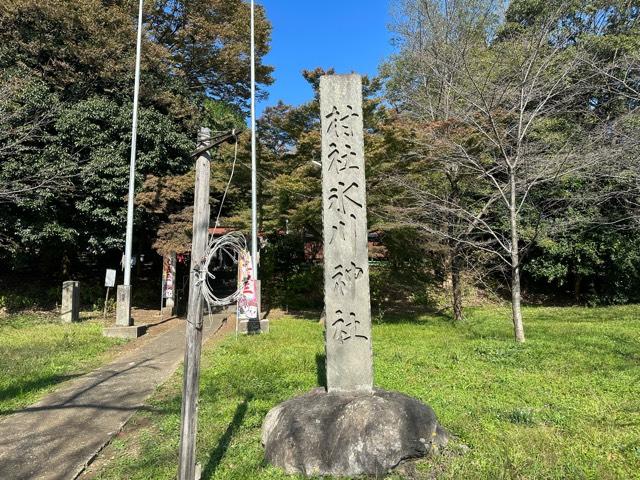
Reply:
x=187, y=461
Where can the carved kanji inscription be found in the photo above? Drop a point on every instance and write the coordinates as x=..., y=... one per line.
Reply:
x=345, y=277
x=348, y=336
x=339, y=121
x=346, y=327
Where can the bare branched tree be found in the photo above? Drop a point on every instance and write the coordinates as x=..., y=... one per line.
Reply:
x=505, y=103
x=435, y=37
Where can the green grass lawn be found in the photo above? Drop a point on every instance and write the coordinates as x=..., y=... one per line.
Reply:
x=37, y=352
x=564, y=405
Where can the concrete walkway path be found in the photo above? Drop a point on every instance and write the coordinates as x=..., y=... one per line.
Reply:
x=57, y=437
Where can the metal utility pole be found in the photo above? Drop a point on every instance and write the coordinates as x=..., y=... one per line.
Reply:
x=254, y=166
x=124, y=310
x=187, y=460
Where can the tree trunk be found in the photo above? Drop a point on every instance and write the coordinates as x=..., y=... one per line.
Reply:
x=516, y=303
x=456, y=285
x=455, y=259
x=515, y=264
x=577, y=288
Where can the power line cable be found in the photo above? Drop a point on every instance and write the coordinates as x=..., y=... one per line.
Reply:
x=233, y=168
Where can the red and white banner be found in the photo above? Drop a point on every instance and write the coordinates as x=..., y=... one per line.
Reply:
x=248, y=300
x=168, y=276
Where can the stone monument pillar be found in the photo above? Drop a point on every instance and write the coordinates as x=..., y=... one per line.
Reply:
x=351, y=428
x=344, y=216
x=70, y=311
x=123, y=306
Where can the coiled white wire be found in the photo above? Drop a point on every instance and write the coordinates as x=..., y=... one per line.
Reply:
x=232, y=245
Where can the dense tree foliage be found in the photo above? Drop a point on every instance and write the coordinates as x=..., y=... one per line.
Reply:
x=501, y=145
x=65, y=112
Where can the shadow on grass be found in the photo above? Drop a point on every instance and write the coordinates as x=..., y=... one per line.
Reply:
x=410, y=316
x=225, y=440
x=309, y=315
x=24, y=388
x=321, y=369
x=28, y=319
x=407, y=314
x=626, y=348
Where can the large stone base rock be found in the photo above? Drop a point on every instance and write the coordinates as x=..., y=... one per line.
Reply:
x=348, y=434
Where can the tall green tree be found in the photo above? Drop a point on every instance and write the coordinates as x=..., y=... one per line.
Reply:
x=71, y=66
x=290, y=154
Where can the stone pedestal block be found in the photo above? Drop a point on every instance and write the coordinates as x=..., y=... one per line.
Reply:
x=169, y=305
x=349, y=434
x=123, y=306
x=134, y=331
x=70, y=311
x=253, y=326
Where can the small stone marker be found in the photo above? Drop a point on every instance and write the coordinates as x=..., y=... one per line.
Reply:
x=346, y=269
x=70, y=311
x=123, y=306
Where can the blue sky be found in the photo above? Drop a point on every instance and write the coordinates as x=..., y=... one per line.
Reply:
x=349, y=35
